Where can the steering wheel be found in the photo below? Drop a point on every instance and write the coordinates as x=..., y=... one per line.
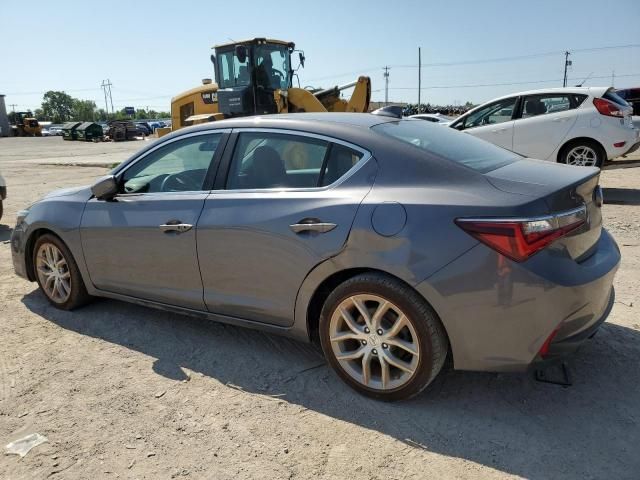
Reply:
x=180, y=182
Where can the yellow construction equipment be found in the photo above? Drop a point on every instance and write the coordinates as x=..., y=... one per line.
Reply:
x=255, y=77
x=25, y=125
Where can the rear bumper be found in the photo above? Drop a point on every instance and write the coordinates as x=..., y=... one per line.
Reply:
x=498, y=313
x=559, y=349
x=633, y=148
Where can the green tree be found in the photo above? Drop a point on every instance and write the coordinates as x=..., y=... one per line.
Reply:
x=57, y=106
x=84, y=110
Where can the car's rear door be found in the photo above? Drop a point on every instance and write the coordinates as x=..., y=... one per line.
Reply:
x=143, y=243
x=284, y=202
x=544, y=123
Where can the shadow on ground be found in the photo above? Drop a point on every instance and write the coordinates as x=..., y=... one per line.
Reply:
x=621, y=196
x=507, y=422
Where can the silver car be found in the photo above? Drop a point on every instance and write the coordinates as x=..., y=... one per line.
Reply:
x=391, y=243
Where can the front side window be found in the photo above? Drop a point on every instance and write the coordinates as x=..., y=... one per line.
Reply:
x=180, y=166
x=541, y=104
x=495, y=113
x=272, y=66
x=275, y=160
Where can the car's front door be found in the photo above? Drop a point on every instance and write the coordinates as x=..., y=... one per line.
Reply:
x=287, y=204
x=143, y=242
x=492, y=123
x=545, y=122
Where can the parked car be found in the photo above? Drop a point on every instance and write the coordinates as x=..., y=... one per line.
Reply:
x=45, y=132
x=144, y=128
x=577, y=126
x=55, y=131
x=393, y=243
x=3, y=193
x=434, y=118
x=632, y=97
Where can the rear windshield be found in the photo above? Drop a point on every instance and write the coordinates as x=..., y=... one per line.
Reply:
x=448, y=143
x=615, y=98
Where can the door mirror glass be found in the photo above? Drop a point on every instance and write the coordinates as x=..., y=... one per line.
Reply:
x=105, y=188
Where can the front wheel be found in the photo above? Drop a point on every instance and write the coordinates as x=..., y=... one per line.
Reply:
x=57, y=274
x=582, y=153
x=381, y=337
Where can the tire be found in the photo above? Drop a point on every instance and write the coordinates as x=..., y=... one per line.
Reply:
x=570, y=153
x=1, y=209
x=422, y=332
x=76, y=292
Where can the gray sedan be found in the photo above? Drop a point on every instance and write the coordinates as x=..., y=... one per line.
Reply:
x=391, y=243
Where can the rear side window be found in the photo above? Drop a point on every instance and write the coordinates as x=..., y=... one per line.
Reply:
x=535, y=105
x=264, y=160
x=448, y=143
x=578, y=98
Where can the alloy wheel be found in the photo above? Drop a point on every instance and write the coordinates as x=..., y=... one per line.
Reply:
x=582, y=156
x=374, y=342
x=53, y=273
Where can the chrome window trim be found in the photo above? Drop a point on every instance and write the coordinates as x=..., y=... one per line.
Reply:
x=161, y=145
x=366, y=156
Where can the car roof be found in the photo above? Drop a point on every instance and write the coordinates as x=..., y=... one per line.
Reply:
x=596, y=91
x=300, y=121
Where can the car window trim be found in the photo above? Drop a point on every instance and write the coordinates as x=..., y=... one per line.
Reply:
x=211, y=171
x=225, y=165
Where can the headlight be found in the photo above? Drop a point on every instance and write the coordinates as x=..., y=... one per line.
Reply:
x=21, y=215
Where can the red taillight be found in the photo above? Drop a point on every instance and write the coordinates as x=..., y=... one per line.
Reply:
x=606, y=107
x=518, y=239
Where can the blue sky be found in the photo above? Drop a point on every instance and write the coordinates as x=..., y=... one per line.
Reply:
x=155, y=49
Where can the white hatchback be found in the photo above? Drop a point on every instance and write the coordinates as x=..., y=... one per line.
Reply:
x=577, y=126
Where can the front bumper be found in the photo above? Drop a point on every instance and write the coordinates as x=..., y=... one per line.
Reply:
x=18, y=256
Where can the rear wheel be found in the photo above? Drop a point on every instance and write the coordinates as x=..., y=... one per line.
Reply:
x=381, y=337
x=582, y=153
x=57, y=274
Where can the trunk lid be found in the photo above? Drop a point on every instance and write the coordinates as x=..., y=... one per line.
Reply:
x=562, y=187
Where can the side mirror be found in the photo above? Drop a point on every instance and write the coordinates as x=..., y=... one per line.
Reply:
x=241, y=53
x=459, y=126
x=105, y=188
x=302, y=58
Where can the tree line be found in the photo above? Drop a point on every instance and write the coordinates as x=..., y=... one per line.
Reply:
x=60, y=107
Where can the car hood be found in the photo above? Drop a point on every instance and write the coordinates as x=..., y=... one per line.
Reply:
x=65, y=192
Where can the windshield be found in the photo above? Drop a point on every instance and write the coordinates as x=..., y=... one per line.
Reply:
x=448, y=143
x=272, y=66
x=233, y=73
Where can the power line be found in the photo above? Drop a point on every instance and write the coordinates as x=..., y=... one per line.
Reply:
x=508, y=83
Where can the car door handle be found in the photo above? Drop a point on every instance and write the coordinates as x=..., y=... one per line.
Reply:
x=312, y=225
x=561, y=119
x=175, y=226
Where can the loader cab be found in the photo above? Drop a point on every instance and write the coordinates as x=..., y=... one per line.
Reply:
x=248, y=73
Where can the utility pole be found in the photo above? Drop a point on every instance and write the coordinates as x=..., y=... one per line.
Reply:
x=419, y=76
x=106, y=105
x=13, y=107
x=110, y=97
x=386, y=85
x=567, y=63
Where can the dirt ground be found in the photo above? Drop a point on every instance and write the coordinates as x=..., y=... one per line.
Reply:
x=122, y=391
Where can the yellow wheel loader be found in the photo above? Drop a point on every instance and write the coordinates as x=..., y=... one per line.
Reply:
x=255, y=77
x=25, y=125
